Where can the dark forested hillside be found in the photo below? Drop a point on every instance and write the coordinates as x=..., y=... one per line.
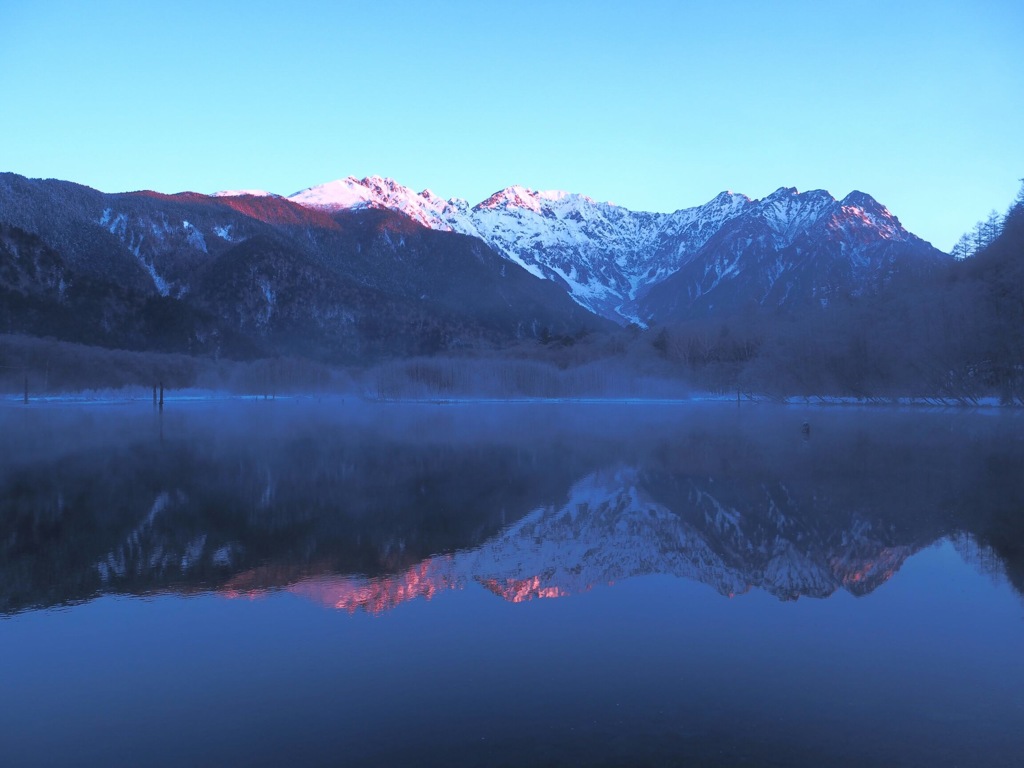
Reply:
x=952, y=330
x=989, y=289
x=248, y=277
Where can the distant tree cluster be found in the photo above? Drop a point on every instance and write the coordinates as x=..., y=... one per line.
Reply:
x=499, y=378
x=47, y=366
x=981, y=236
x=985, y=232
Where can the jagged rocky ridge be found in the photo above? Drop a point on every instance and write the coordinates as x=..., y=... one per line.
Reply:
x=730, y=253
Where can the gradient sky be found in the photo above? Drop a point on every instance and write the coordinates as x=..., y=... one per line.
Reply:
x=653, y=105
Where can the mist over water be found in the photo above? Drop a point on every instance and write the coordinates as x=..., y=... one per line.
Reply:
x=505, y=583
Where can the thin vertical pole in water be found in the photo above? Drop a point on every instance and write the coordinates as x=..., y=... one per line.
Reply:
x=26, y=390
x=161, y=395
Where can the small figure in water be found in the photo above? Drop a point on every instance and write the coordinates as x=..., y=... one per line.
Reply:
x=805, y=430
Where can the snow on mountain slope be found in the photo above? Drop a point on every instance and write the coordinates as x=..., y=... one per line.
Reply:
x=790, y=249
x=788, y=212
x=243, y=193
x=604, y=255
x=609, y=258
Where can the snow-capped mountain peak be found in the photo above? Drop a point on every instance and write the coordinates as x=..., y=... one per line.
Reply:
x=350, y=193
x=873, y=216
x=518, y=196
x=789, y=212
x=729, y=198
x=863, y=200
x=514, y=196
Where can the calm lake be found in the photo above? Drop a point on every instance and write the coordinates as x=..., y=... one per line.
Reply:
x=294, y=582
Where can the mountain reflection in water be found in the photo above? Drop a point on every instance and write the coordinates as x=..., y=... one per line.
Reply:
x=365, y=508
x=611, y=529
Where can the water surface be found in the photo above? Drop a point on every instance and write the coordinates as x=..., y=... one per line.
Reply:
x=331, y=583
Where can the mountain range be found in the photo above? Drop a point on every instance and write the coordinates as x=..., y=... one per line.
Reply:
x=630, y=266
x=360, y=269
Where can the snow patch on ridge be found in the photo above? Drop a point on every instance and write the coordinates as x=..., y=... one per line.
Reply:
x=117, y=225
x=243, y=193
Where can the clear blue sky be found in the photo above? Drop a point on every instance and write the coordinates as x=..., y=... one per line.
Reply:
x=653, y=105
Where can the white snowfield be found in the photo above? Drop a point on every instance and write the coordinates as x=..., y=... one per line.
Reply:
x=244, y=193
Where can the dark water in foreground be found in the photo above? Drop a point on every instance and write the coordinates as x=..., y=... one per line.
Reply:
x=300, y=583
